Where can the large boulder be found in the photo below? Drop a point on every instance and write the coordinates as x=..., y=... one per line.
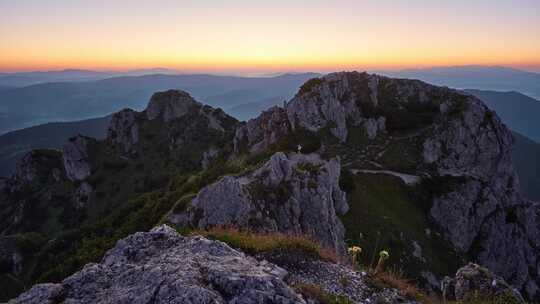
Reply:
x=296, y=194
x=475, y=282
x=162, y=266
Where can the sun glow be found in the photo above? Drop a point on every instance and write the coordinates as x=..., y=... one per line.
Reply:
x=282, y=35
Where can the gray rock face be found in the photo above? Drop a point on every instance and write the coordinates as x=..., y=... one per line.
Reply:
x=38, y=166
x=374, y=127
x=161, y=266
x=486, y=212
x=208, y=156
x=474, y=280
x=75, y=154
x=296, y=194
x=82, y=194
x=328, y=104
x=123, y=131
x=169, y=105
x=260, y=133
x=462, y=142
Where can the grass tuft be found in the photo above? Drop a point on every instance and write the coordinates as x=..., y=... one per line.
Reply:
x=319, y=295
x=255, y=243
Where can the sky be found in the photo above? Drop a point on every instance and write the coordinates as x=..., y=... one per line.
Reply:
x=271, y=35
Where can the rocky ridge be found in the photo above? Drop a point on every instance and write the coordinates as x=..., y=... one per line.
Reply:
x=293, y=194
x=446, y=136
x=162, y=266
x=449, y=141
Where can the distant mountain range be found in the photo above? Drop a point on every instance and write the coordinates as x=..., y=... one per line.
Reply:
x=476, y=77
x=22, y=79
x=68, y=101
x=527, y=163
x=517, y=111
x=14, y=145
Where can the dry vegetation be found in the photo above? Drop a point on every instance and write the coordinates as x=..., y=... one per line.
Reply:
x=256, y=243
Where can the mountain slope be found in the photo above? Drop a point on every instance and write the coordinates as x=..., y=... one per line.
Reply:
x=81, y=100
x=48, y=136
x=426, y=173
x=477, y=77
x=525, y=156
x=93, y=192
x=448, y=143
x=22, y=79
x=519, y=112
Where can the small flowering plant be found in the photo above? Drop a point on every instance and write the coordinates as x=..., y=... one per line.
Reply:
x=383, y=256
x=354, y=252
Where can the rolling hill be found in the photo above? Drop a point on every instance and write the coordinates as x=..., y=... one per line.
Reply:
x=67, y=101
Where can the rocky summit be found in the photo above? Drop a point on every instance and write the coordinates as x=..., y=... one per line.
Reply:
x=162, y=266
x=422, y=174
x=295, y=194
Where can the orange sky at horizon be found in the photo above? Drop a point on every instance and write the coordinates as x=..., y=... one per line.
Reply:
x=241, y=35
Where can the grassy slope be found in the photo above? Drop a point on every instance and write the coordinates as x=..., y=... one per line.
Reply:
x=386, y=214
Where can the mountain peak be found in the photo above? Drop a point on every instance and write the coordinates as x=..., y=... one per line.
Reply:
x=170, y=104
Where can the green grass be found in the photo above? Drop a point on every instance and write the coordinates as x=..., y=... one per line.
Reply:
x=385, y=214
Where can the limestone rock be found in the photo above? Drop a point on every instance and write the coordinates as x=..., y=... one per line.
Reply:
x=169, y=105
x=485, y=212
x=37, y=167
x=76, y=156
x=473, y=280
x=208, y=156
x=162, y=266
x=123, y=131
x=296, y=194
x=260, y=133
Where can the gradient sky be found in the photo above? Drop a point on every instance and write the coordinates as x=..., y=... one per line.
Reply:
x=271, y=35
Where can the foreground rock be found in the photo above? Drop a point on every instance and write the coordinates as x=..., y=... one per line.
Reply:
x=163, y=267
x=476, y=282
x=297, y=194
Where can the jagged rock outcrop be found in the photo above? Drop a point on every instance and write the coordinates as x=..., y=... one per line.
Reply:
x=458, y=141
x=162, y=266
x=297, y=194
x=76, y=155
x=172, y=120
x=260, y=133
x=485, y=215
x=169, y=105
x=38, y=166
x=123, y=131
x=473, y=281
